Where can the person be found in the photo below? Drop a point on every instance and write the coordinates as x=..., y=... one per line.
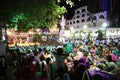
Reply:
x=111, y=66
x=60, y=65
x=69, y=62
x=69, y=48
x=28, y=70
x=85, y=60
x=78, y=55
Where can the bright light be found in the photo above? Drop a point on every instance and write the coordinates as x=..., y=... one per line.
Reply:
x=3, y=37
x=37, y=30
x=8, y=32
x=82, y=34
x=105, y=24
x=71, y=28
x=95, y=34
x=67, y=33
x=63, y=22
x=85, y=26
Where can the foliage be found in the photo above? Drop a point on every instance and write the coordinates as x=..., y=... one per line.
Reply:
x=68, y=2
x=24, y=14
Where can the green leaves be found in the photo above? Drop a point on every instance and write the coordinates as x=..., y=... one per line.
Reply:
x=69, y=2
x=19, y=17
x=35, y=14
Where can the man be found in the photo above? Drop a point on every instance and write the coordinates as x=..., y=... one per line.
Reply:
x=69, y=48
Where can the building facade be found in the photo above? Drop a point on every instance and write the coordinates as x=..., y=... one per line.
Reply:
x=83, y=20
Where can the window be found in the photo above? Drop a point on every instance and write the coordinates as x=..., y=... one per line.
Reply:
x=78, y=12
x=77, y=21
x=82, y=20
x=83, y=15
x=78, y=16
x=83, y=10
x=73, y=22
x=101, y=17
x=88, y=19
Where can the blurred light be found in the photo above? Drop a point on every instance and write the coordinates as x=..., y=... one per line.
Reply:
x=9, y=32
x=85, y=26
x=37, y=30
x=71, y=28
x=105, y=24
x=95, y=34
x=82, y=34
x=63, y=22
x=3, y=37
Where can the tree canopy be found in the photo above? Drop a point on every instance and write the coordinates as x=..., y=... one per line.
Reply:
x=25, y=14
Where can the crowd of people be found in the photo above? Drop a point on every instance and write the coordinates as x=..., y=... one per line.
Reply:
x=75, y=60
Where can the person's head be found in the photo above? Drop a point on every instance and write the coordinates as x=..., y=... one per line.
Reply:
x=28, y=51
x=17, y=51
x=40, y=49
x=59, y=51
x=109, y=58
x=93, y=47
x=35, y=53
x=48, y=60
x=86, y=53
x=81, y=50
x=42, y=58
x=75, y=64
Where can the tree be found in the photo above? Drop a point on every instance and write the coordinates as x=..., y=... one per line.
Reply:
x=24, y=14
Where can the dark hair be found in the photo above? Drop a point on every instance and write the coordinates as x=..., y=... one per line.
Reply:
x=59, y=51
x=35, y=53
x=48, y=60
x=17, y=50
x=42, y=58
x=86, y=53
x=109, y=58
x=79, y=71
x=81, y=49
x=75, y=64
x=40, y=49
x=28, y=51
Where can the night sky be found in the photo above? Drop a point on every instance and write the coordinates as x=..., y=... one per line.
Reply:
x=70, y=11
x=94, y=7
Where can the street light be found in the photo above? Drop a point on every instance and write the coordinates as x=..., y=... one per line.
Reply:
x=105, y=24
x=85, y=26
